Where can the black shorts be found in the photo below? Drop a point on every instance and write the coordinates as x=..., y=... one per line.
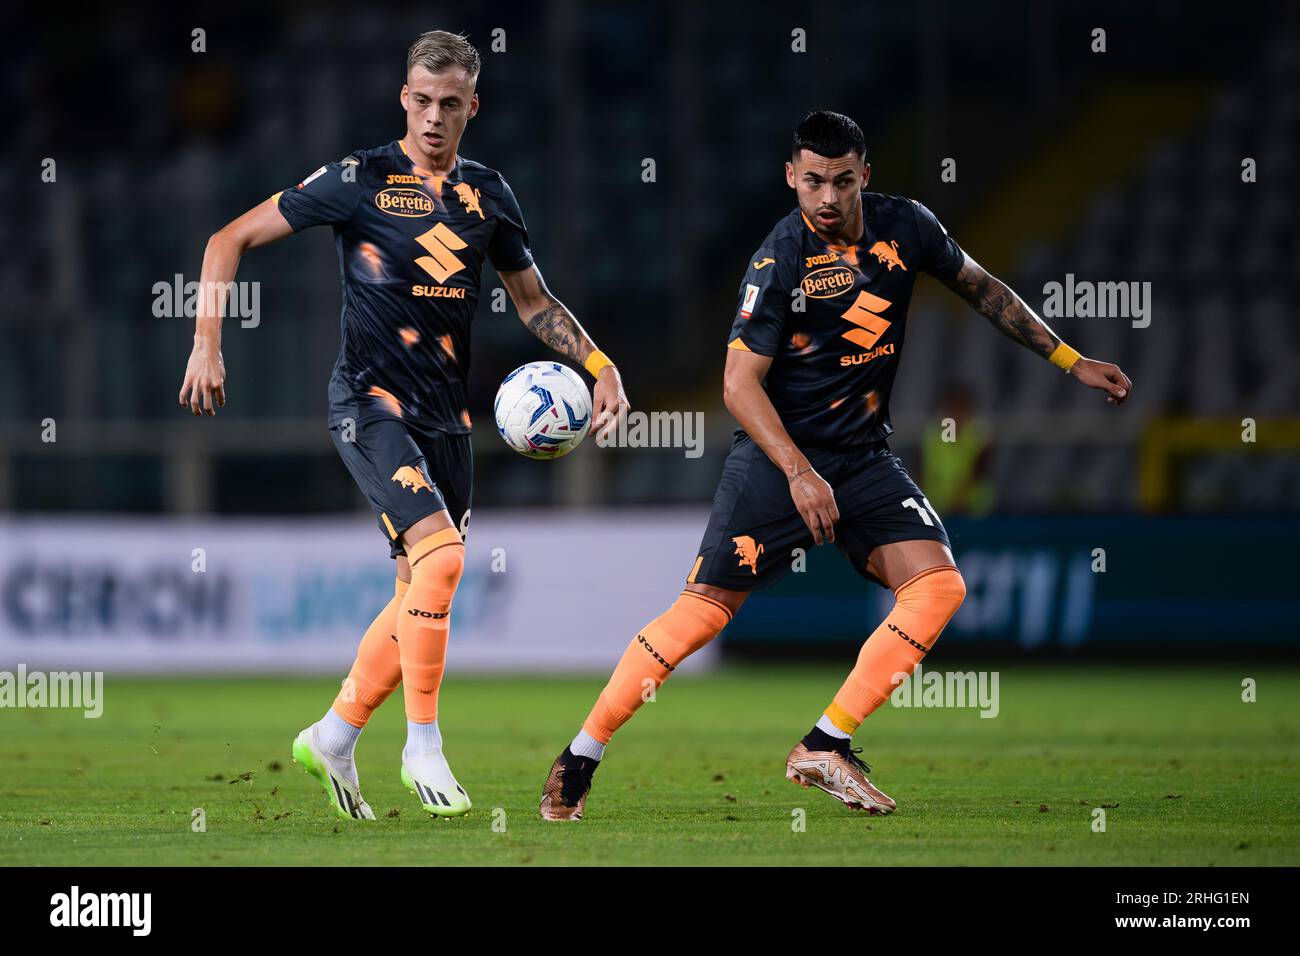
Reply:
x=754, y=527
x=407, y=474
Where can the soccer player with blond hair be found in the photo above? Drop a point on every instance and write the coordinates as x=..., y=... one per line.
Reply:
x=414, y=223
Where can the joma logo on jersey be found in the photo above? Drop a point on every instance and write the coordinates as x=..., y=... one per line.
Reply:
x=408, y=203
x=748, y=551
x=870, y=326
x=395, y=178
x=827, y=283
x=437, y=292
x=824, y=259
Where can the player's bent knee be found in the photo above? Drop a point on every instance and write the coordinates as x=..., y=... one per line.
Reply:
x=438, y=561
x=932, y=597
x=692, y=621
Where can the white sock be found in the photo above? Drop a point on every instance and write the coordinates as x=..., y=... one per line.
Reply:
x=585, y=745
x=336, y=736
x=421, y=738
x=824, y=724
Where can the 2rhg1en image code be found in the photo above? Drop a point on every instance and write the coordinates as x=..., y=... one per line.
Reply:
x=1192, y=896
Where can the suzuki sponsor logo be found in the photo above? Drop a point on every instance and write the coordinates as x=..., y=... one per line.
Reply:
x=871, y=325
x=861, y=357
x=437, y=292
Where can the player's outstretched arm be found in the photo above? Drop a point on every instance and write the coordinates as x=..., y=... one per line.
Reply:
x=205, y=374
x=994, y=299
x=548, y=319
x=746, y=399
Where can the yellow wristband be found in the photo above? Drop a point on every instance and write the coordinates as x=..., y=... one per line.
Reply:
x=1064, y=357
x=596, y=361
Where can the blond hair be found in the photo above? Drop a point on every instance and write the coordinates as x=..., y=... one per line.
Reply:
x=439, y=50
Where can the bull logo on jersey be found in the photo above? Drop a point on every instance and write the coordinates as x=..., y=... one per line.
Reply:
x=408, y=476
x=468, y=195
x=748, y=551
x=887, y=254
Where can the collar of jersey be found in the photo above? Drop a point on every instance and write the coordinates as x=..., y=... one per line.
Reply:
x=453, y=176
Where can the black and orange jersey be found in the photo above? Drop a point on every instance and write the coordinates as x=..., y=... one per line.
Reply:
x=832, y=317
x=411, y=249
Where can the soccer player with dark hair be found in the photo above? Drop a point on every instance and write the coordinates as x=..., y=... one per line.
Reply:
x=811, y=360
x=413, y=222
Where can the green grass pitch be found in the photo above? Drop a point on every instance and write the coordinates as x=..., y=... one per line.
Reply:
x=1188, y=773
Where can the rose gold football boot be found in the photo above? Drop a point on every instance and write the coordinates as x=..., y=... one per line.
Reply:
x=839, y=772
x=565, y=794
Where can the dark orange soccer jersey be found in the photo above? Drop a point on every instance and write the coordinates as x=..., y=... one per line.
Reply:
x=832, y=317
x=411, y=248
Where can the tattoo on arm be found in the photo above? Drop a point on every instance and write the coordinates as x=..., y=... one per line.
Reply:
x=1003, y=308
x=557, y=327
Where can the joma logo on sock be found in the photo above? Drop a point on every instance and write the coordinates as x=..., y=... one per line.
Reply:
x=103, y=909
x=653, y=653
x=903, y=634
x=418, y=613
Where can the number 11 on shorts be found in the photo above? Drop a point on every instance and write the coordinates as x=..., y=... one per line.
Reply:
x=911, y=503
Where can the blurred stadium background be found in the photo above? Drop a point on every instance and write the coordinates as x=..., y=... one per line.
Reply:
x=1125, y=165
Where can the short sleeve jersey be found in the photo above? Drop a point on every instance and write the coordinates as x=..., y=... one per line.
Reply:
x=411, y=249
x=832, y=318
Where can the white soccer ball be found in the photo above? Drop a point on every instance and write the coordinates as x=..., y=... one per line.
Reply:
x=543, y=410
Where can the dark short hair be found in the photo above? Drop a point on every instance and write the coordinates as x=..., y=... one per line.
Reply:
x=829, y=134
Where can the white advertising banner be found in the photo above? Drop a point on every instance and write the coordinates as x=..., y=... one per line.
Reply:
x=542, y=591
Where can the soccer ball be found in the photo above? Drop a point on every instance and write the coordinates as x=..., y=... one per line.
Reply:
x=543, y=410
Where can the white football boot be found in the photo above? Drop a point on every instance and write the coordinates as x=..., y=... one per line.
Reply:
x=339, y=780
x=428, y=777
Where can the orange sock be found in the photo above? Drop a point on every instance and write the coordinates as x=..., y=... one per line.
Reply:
x=378, y=668
x=924, y=605
x=424, y=620
x=691, y=622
